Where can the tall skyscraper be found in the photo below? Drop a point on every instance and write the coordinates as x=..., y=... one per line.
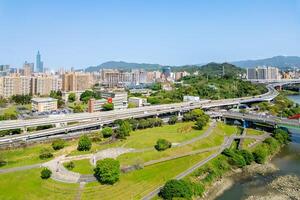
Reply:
x=39, y=63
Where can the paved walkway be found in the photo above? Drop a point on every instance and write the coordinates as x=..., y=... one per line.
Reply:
x=15, y=169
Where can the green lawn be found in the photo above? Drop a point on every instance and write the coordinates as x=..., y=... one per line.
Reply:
x=136, y=184
x=215, y=139
x=27, y=185
x=83, y=166
x=254, y=132
x=247, y=142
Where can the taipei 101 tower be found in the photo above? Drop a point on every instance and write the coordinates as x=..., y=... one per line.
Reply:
x=39, y=63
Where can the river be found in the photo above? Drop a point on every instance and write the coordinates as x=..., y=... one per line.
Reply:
x=288, y=162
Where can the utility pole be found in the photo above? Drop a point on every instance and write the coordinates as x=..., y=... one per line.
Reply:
x=223, y=70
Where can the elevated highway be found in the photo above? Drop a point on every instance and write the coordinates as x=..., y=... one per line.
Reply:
x=87, y=121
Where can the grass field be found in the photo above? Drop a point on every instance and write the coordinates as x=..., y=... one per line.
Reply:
x=254, y=132
x=83, y=166
x=136, y=184
x=215, y=139
x=27, y=185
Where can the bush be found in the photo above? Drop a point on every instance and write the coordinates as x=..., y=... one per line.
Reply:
x=235, y=158
x=84, y=143
x=69, y=165
x=58, y=144
x=162, y=145
x=260, y=154
x=107, y=132
x=173, y=119
x=281, y=135
x=45, y=154
x=176, y=188
x=107, y=171
x=247, y=156
x=273, y=144
x=108, y=106
x=46, y=173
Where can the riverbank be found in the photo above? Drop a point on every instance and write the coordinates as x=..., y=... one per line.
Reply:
x=231, y=177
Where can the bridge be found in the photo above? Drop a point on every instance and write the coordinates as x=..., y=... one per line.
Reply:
x=90, y=121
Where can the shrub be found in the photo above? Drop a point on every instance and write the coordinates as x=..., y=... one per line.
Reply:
x=84, y=143
x=281, y=135
x=107, y=171
x=247, y=156
x=272, y=143
x=176, y=188
x=107, y=132
x=46, y=173
x=235, y=158
x=162, y=145
x=58, y=144
x=173, y=119
x=108, y=106
x=260, y=154
x=70, y=165
x=45, y=153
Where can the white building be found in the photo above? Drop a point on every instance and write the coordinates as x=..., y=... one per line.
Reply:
x=263, y=73
x=191, y=98
x=44, y=104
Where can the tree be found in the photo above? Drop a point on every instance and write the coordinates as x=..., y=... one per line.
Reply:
x=162, y=144
x=260, y=154
x=173, y=119
x=107, y=171
x=247, y=156
x=72, y=97
x=107, y=132
x=123, y=130
x=88, y=94
x=58, y=144
x=70, y=165
x=108, y=106
x=176, y=188
x=45, y=153
x=281, y=135
x=46, y=173
x=78, y=108
x=200, y=123
x=84, y=143
x=21, y=99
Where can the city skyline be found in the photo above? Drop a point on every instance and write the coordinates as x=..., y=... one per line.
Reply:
x=168, y=33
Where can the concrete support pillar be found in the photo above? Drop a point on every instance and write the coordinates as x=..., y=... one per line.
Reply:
x=225, y=121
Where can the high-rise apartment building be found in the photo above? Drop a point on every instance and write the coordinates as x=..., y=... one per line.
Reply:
x=4, y=70
x=76, y=81
x=14, y=84
x=39, y=63
x=43, y=85
x=28, y=69
x=263, y=73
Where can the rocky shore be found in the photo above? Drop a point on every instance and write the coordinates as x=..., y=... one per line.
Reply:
x=231, y=177
x=282, y=188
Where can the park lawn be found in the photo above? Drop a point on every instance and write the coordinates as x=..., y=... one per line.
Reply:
x=24, y=185
x=216, y=138
x=247, y=142
x=12, y=109
x=147, y=137
x=251, y=131
x=30, y=155
x=83, y=166
x=136, y=184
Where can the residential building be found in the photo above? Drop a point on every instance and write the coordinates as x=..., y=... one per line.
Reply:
x=43, y=104
x=28, y=69
x=263, y=73
x=76, y=81
x=4, y=70
x=14, y=85
x=44, y=84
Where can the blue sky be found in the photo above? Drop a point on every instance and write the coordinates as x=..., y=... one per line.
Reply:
x=78, y=33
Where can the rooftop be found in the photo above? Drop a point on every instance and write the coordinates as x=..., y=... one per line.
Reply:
x=40, y=100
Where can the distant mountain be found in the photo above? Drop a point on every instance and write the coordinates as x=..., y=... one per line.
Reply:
x=212, y=69
x=277, y=61
x=123, y=65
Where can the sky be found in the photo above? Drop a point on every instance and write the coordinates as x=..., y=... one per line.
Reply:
x=81, y=33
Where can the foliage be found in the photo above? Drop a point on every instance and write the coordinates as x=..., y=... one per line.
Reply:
x=131, y=105
x=107, y=171
x=45, y=153
x=72, y=97
x=281, y=136
x=176, y=188
x=173, y=119
x=107, y=132
x=194, y=115
x=89, y=94
x=10, y=132
x=261, y=153
x=70, y=165
x=43, y=127
x=21, y=99
x=58, y=144
x=123, y=130
x=156, y=86
x=46, y=173
x=108, y=106
x=84, y=143
x=78, y=108
x=247, y=155
x=273, y=144
x=2, y=161
x=57, y=95
x=235, y=157
x=162, y=144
